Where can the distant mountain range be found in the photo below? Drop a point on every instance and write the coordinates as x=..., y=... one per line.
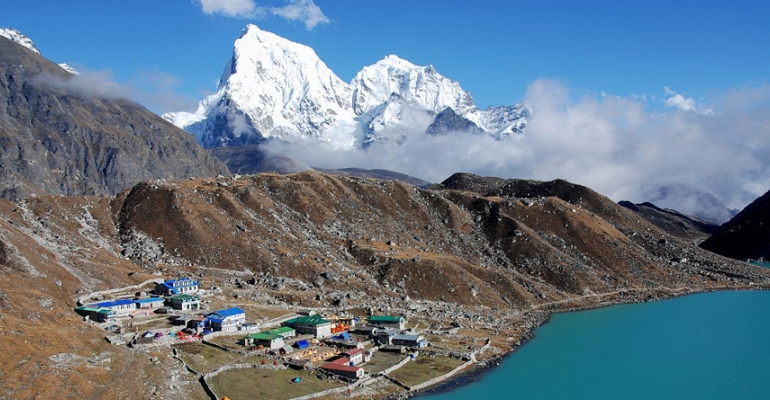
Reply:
x=275, y=88
x=673, y=222
x=271, y=89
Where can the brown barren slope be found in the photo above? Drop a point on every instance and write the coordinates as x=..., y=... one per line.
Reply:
x=480, y=252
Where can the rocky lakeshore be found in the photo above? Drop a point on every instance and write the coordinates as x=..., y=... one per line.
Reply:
x=533, y=320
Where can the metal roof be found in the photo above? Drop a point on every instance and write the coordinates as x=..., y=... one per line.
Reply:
x=150, y=300
x=265, y=336
x=184, y=297
x=408, y=337
x=93, y=309
x=110, y=304
x=307, y=320
x=228, y=312
x=183, y=281
x=385, y=318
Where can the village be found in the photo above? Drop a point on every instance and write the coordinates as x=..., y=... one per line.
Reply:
x=302, y=353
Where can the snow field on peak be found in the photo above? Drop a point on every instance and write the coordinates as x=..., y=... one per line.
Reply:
x=275, y=88
x=18, y=37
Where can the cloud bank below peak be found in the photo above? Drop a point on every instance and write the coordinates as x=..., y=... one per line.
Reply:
x=304, y=11
x=620, y=146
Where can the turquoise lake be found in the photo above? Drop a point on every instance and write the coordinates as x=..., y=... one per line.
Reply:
x=702, y=346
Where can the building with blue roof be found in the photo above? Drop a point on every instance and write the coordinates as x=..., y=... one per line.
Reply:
x=150, y=303
x=417, y=341
x=172, y=287
x=118, y=308
x=226, y=320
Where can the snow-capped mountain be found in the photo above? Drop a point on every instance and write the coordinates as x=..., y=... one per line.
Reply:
x=418, y=86
x=392, y=121
x=22, y=39
x=69, y=68
x=19, y=38
x=506, y=120
x=690, y=201
x=274, y=88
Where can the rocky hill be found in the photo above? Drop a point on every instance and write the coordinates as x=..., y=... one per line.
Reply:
x=476, y=251
x=672, y=221
x=60, y=136
x=747, y=235
x=252, y=158
x=382, y=174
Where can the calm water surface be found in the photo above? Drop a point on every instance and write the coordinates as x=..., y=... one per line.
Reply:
x=703, y=346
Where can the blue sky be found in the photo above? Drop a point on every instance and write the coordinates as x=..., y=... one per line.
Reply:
x=494, y=48
x=628, y=96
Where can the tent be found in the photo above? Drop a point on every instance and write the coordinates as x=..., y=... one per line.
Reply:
x=342, y=336
x=301, y=344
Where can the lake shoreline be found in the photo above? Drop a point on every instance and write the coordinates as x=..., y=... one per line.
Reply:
x=537, y=318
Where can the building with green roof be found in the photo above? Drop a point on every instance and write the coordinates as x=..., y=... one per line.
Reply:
x=98, y=314
x=388, y=321
x=312, y=324
x=273, y=339
x=184, y=302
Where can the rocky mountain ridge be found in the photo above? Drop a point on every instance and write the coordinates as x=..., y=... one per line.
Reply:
x=58, y=137
x=672, y=221
x=747, y=235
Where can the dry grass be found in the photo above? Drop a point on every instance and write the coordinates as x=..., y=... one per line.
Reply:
x=248, y=384
x=231, y=342
x=204, y=359
x=382, y=360
x=424, y=369
x=383, y=389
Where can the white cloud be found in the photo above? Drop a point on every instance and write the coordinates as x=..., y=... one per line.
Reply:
x=305, y=11
x=98, y=83
x=302, y=10
x=155, y=90
x=230, y=8
x=615, y=145
x=684, y=103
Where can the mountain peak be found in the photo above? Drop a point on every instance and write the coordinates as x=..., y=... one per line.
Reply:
x=393, y=60
x=275, y=88
x=420, y=86
x=18, y=37
x=396, y=62
x=271, y=88
x=252, y=30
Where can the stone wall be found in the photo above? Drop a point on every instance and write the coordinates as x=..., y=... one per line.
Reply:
x=443, y=377
x=361, y=382
x=210, y=391
x=85, y=299
x=396, y=366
